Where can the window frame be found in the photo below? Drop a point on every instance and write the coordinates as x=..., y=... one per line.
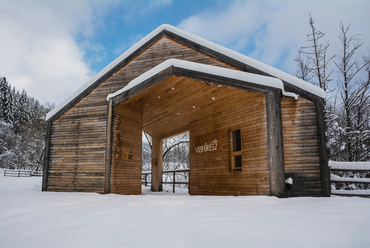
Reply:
x=236, y=153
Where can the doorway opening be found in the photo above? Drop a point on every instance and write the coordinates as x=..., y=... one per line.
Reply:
x=176, y=163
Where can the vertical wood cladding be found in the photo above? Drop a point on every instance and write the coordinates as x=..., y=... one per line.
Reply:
x=78, y=137
x=210, y=171
x=301, y=150
x=127, y=133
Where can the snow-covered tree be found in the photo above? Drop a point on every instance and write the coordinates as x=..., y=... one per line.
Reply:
x=355, y=95
x=22, y=129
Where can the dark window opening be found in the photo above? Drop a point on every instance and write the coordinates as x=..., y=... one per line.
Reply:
x=237, y=143
x=236, y=154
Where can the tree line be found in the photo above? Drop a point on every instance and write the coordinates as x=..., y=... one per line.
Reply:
x=347, y=107
x=22, y=129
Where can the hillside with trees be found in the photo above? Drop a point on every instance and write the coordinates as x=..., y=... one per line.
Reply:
x=22, y=129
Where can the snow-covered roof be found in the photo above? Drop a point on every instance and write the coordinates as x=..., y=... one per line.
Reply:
x=220, y=49
x=208, y=69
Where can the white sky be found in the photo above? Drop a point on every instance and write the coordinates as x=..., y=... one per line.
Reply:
x=51, y=48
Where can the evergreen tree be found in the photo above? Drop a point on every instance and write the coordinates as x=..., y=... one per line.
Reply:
x=9, y=105
x=22, y=129
x=3, y=92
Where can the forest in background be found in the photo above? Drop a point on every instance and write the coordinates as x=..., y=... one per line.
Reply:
x=22, y=129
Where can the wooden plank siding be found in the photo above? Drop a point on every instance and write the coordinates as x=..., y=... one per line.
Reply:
x=301, y=147
x=76, y=153
x=210, y=172
x=78, y=137
x=127, y=133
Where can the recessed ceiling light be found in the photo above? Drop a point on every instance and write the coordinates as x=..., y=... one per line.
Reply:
x=172, y=88
x=213, y=98
x=159, y=97
x=178, y=113
x=193, y=106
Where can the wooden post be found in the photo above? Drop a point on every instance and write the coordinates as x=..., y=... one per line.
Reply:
x=275, y=144
x=174, y=181
x=157, y=153
x=46, y=157
x=108, y=151
x=324, y=168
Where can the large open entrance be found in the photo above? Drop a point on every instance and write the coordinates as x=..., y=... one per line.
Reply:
x=229, y=140
x=178, y=104
x=175, y=166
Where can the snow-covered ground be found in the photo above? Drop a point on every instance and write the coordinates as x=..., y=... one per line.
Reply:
x=31, y=218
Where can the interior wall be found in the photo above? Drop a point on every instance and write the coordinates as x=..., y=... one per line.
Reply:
x=127, y=134
x=301, y=147
x=210, y=171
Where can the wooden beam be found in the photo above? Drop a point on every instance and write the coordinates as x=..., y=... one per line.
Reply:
x=275, y=144
x=157, y=166
x=178, y=131
x=108, y=151
x=46, y=157
x=249, y=86
x=324, y=168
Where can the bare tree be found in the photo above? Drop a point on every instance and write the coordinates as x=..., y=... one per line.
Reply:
x=175, y=152
x=315, y=68
x=354, y=95
x=302, y=71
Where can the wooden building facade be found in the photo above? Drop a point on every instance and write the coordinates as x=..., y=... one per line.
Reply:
x=251, y=126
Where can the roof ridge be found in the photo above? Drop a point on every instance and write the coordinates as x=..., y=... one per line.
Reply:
x=201, y=41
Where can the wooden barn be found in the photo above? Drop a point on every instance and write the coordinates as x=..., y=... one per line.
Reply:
x=251, y=126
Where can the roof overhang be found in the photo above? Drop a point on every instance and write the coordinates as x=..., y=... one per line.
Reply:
x=212, y=74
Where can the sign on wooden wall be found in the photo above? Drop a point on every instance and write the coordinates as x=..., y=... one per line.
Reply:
x=208, y=142
x=127, y=154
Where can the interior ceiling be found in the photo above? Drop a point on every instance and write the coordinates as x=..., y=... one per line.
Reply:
x=172, y=104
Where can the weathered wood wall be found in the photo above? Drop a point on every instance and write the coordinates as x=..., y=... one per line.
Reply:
x=78, y=137
x=77, y=153
x=210, y=171
x=127, y=133
x=301, y=151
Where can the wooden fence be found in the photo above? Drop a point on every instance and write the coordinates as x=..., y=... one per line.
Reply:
x=173, y=182
x=354, y=167
x=22, y=173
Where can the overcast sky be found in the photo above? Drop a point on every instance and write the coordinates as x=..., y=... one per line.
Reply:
x=51, y=48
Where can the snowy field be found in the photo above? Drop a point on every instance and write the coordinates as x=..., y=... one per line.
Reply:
x=31, y=218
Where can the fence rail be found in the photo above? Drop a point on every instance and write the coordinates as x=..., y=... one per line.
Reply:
x=355, y=167
x=174, y=182
x=22, y=173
